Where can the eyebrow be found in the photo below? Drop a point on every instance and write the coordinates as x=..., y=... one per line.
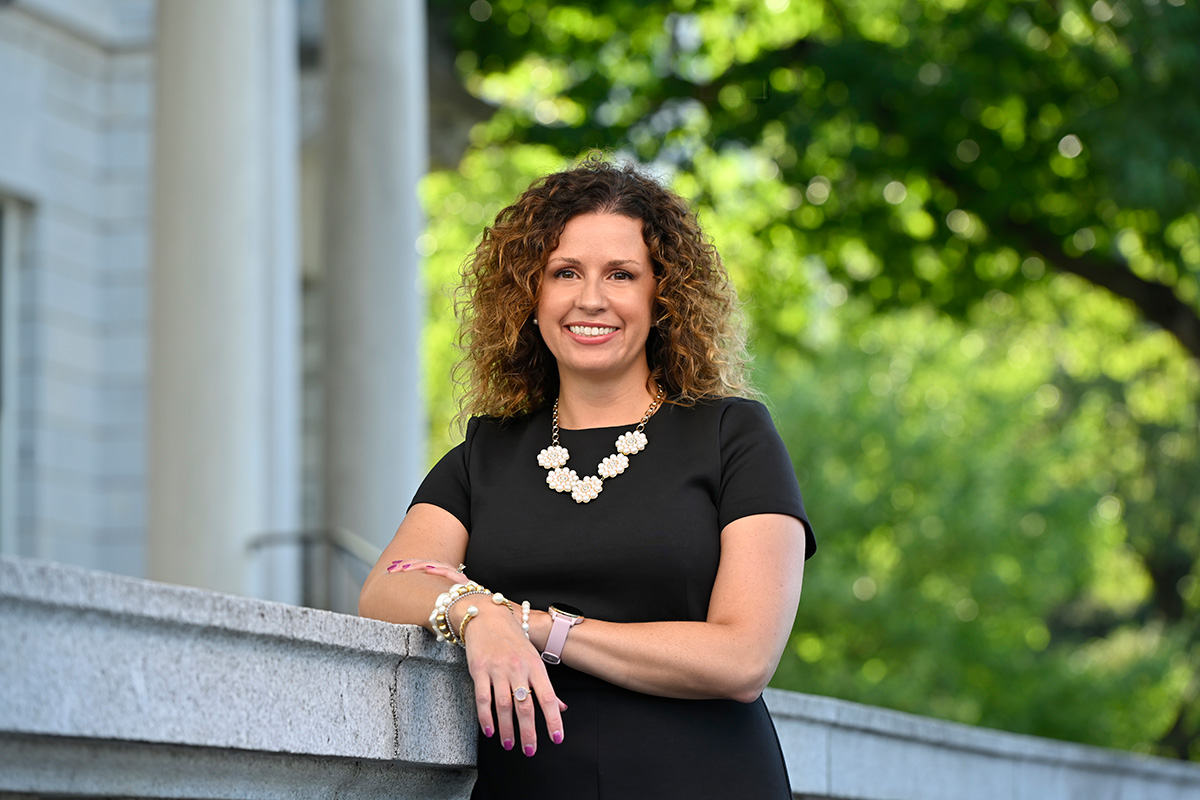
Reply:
x=616, y=262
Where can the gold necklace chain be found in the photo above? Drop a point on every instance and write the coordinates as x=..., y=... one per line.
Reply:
x=584, y=490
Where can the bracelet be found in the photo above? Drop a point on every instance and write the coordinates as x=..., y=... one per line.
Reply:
x=501, y=600
x=462, y=629
x=458, y=640
x=439, y=618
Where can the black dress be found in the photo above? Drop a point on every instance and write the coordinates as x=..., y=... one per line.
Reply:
x=646, y=549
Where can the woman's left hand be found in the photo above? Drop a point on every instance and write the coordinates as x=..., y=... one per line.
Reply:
x=510, y=681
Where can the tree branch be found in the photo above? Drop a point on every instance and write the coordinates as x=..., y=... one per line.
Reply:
x=1157, y=302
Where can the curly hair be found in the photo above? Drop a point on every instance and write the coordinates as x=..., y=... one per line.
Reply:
x=696, y=348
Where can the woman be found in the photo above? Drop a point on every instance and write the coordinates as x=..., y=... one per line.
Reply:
x=613, y=479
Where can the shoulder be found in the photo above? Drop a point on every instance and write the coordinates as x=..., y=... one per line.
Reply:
x=488, y=431
x=723, y=421
x=483, y=423
x=737, y=412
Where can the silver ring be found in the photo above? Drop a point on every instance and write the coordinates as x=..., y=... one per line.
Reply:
x=520, y=694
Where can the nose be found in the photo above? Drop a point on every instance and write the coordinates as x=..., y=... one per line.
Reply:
x=591, y=295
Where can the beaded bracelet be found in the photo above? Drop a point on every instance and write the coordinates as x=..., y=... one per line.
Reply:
x=440, y=616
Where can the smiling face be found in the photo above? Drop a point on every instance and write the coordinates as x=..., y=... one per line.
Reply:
x=597, y=294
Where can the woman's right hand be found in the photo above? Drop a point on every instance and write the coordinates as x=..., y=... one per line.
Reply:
x=502, y=660
x=429, y=567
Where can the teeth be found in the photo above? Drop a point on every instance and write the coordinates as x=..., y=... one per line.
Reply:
x=587, y=330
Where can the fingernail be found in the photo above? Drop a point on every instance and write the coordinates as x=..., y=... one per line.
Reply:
x=529, y=750
x=406, y=566
x=507, y=744
x=393, y=568
x=557, y=737
x=430, y=566
x=488, y=731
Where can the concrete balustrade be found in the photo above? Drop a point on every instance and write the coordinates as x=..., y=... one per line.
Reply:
x=115, y=686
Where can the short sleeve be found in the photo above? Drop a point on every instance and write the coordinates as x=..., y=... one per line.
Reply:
x=757, y=476
x=448, y=484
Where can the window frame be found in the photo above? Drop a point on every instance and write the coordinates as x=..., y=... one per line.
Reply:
x=10, y=254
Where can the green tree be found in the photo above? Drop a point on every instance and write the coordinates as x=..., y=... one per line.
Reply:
x=933, y=171
x=929, y=151
x=983, y=497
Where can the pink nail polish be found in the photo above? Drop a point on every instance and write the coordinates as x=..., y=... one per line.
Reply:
x=406, y=566
x=529, y=750
x=488, y=731
x=557, y=737
x=393, y=568
x=507, y=744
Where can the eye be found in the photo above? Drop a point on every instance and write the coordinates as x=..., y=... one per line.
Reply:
x=622, y=275
x=565, y=272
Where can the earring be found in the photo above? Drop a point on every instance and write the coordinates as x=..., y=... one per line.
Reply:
x=535, y=320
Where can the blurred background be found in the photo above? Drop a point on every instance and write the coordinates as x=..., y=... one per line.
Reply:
x=966, y=233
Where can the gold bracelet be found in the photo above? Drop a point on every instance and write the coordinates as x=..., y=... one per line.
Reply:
x=462, y=628
x=501, y=600
x=439, y=618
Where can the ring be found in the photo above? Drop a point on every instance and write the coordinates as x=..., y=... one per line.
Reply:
x=462, y=567
x=520, y=693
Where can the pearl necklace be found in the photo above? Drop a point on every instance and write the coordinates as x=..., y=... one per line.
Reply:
x=584, y=490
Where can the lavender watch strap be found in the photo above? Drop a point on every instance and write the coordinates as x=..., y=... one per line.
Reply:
x=558, y=637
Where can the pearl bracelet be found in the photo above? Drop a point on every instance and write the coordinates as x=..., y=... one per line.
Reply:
x=440, y=616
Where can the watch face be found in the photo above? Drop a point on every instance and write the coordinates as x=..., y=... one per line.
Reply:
x=563, y=608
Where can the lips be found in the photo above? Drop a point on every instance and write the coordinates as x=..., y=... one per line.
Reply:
x=591, y=330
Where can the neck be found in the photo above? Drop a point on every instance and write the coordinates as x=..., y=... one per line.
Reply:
x=582, y=405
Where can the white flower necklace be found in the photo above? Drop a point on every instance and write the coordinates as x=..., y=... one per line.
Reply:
x=584, y=490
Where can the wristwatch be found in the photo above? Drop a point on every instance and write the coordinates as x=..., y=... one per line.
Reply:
x=565, y=617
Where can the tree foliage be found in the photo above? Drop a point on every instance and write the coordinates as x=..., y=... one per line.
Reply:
x=967, y=233
x=928, y=151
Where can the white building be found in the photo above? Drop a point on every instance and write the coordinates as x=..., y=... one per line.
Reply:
x=161, y=209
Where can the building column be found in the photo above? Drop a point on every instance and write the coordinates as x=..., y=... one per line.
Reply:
x=224, y=385
x=376, y=147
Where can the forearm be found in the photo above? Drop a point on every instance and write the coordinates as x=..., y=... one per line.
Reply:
x=404, y=598
x=734, y=651
x=695, y=660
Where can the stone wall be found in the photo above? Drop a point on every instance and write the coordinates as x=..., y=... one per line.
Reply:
x=115, y=686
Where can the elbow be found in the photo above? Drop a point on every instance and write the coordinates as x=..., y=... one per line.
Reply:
x=752, y=678
x=366, y=601
x=750, y=693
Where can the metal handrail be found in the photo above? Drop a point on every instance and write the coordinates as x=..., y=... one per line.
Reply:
x=320, y=550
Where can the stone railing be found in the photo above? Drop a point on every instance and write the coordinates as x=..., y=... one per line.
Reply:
x=113, y=686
